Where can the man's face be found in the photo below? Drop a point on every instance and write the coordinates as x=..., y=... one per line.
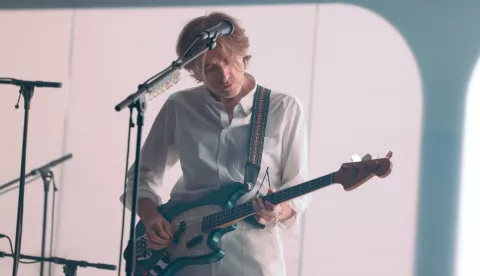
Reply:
x=224, y=76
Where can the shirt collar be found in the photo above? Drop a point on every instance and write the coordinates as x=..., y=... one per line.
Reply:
x=246, y=103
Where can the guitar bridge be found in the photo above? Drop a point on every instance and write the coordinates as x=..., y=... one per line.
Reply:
x=142, y=252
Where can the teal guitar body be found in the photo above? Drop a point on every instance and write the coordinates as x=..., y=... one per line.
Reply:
x=196, y=233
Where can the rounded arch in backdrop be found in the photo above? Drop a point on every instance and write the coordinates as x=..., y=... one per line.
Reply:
x=367, y=99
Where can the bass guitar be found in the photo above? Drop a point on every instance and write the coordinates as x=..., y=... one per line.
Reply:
x=198, y=226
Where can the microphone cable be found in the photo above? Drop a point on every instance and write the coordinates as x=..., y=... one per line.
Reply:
x=11, y=249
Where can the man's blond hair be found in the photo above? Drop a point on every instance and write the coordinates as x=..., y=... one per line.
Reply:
x=236, y=44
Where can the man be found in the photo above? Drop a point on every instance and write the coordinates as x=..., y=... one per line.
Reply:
x=206, y=128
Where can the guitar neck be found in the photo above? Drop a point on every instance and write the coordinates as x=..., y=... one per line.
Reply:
x=246, y=209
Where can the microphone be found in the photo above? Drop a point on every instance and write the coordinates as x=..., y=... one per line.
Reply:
x=225, y=27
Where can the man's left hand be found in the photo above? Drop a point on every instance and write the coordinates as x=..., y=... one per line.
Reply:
x=266, y=213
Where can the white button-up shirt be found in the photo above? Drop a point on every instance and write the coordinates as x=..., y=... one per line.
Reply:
x=193, y=128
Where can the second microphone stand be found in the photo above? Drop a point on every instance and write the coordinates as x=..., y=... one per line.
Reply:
x=47, y=176
x=27, y=91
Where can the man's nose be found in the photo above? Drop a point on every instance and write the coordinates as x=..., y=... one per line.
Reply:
x=224, y=73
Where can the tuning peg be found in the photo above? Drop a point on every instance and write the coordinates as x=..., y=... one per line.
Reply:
x=367, y=157
x=355, y=158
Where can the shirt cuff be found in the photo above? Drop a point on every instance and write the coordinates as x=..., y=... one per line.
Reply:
x=142, y=193
x=298, y=206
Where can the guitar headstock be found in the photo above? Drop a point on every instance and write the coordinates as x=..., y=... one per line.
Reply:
x=352, y=175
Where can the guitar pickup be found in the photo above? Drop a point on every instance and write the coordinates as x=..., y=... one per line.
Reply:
x=195, y=241
x=181, y=229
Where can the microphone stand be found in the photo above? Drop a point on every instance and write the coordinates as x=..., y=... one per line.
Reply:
x=137, y=100
x=47, y=176
x=69, y=266
x=27, y=90
x=27, y=96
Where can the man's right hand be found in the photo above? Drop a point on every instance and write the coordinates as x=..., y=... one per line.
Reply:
x=157, y=229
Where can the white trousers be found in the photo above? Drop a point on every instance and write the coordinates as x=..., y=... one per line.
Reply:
x=249, y=251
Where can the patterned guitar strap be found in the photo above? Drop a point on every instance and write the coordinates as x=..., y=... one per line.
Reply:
x=258, y=124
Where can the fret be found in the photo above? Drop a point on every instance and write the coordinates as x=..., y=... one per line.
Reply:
x=246, y=209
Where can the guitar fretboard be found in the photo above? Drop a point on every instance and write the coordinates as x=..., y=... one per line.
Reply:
x=246, y=209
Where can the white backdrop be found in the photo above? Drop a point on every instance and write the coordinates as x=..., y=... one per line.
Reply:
x=354, y=73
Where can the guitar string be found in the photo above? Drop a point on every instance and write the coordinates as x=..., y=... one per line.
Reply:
x=321, y=181
x=241, y=208
x=248, y=205
x=312, y=185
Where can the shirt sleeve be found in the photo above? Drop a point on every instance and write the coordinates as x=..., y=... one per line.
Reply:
x=295, y=161
x=158, y=154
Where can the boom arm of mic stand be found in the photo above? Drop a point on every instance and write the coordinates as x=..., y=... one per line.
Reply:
x=159, y=81
x=34, y=83
x=37, y=170
x=163, y=78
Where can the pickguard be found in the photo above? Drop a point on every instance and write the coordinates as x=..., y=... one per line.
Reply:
x=189, y=240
